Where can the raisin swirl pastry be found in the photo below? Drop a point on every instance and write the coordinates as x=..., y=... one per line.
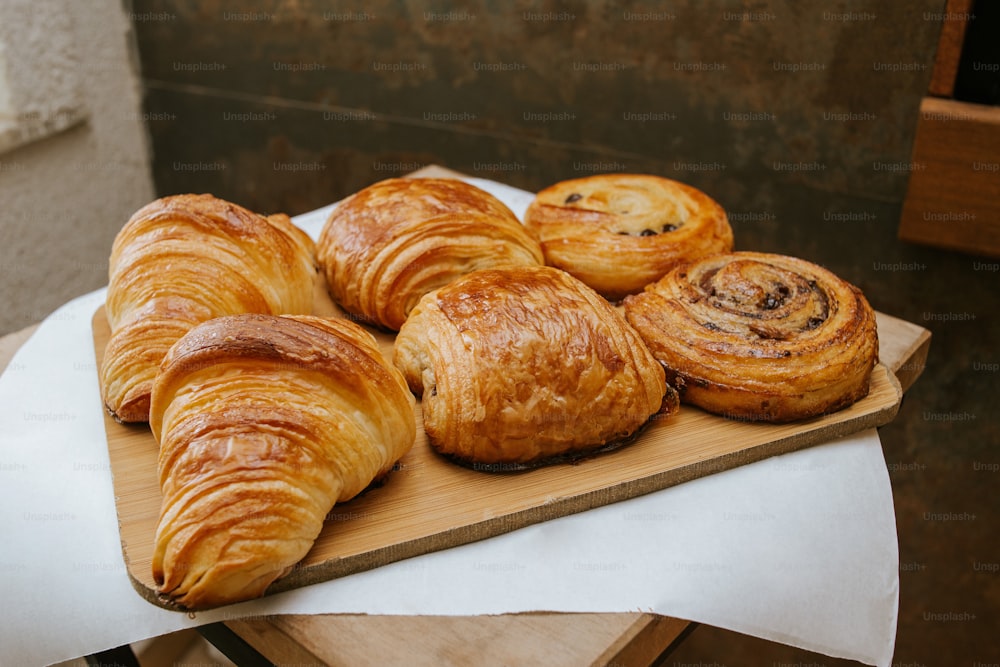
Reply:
x=387, y=245
x=759, y=336
x=264, y=423
x=184, y=259
x=619, y=232
x=520, y=365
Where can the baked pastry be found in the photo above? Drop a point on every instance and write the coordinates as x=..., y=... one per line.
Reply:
x=263, y=424
x=758, y=336
x=619, y=232
x=386, y=246
x=185, y=259
x=519, y=365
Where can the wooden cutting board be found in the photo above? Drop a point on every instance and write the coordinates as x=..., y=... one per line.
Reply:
x=429, y=503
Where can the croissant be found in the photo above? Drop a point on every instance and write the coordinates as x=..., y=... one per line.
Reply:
x=182, y=260
x=758, y=336
x=619, y=232
x=386, y=246
x=263, y=424
x=519, y=366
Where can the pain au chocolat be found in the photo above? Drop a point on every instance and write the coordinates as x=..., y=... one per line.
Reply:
x=522, y=365
x=387, y=245
x=759, y=336
x=619, y=232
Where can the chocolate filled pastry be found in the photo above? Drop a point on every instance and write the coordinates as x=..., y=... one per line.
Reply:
x=619, y=232
x=182, y=260
x=522, y=365
x=758, y=336
x=264, y=423
x=386, y=246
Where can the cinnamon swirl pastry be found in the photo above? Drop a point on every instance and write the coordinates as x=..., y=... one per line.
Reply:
x=758, y=336
x=522, y=364
x=619, y=232
x=386, y=246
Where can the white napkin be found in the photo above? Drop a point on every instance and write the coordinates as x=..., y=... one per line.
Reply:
x=799, y=549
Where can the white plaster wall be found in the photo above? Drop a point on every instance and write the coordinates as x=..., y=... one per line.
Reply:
x=64, y=197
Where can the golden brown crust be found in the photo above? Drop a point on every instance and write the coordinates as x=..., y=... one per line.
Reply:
x=619, y=232
x=263, y=424
x=182, y=260
x=521, y=364
x=386, y=246
x=759, y=336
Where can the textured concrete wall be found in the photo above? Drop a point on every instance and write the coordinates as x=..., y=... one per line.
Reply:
x=64, y=197
x=40, y=85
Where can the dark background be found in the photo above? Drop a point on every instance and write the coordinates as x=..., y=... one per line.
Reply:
x=798, y=117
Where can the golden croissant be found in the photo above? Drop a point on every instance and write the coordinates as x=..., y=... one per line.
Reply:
x=387, y=245
x=263, y=424
x=759, y=336
x=185, y=259
x=522, y=365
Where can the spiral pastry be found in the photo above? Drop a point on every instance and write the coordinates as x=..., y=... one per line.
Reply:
x=386, y=246
x=523, y=364
x=185, y=259
x=758, y=336
x=619, y=232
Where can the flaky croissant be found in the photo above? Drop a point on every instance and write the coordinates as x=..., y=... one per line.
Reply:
x=263, y=424
x=759, y=336
x=387, y=245
x=521, y=365
x=619, y=232
x=185, y=259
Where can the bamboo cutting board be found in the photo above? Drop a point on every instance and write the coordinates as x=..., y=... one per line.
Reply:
x=429, y=503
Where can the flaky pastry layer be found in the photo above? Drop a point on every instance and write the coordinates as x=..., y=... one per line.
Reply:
x=387, y=245
x=523, y=364
x=182, y=260
x=264, y=423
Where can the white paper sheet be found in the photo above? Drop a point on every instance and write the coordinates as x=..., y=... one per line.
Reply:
x=799, y=549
